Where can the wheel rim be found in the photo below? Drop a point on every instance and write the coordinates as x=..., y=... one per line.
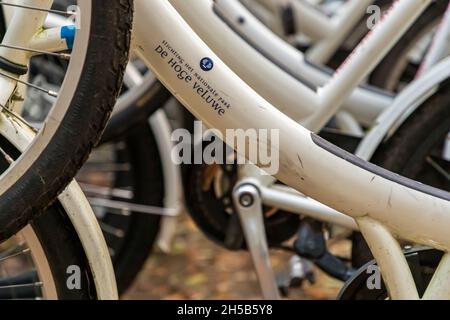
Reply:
x=26, y=241
x=42, y=266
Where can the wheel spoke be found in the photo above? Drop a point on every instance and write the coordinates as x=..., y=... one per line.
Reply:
x=112, y=230
x=35, y=127
x=65, y=56
x=438, y=167
x=133, y=207
x=14, y=255
x=61, y=55
x=49, y=92
x=96, y=191
x=20, y=246
x=65, y=13
x=6, y=156
x=17, y=286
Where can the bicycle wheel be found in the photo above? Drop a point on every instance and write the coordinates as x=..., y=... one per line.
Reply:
x=38, y=262
x=121, y=175
x=419, y=150
x=92, y=82
x=124, y=173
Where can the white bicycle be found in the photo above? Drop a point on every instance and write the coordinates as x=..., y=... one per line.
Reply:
x=313, y=166
x=272, y=195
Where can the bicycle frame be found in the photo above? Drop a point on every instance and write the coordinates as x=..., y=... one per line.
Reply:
x=365, y=104
x=252, y=67
x=388, y=205
x=257, y=63
x=326, y=32
x=439, y=47
x=244, y=24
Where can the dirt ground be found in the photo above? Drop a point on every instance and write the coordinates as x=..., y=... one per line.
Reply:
x=198, y=269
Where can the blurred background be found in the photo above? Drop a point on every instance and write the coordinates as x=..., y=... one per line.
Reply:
x=199, y=269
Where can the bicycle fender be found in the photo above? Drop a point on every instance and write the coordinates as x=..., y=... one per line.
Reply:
x=403, y=106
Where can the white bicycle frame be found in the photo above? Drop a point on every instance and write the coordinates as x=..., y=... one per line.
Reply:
x=256, y=70
x=232, y=11
x=365, y=104
x=385, y=206
x=325, y=32
x=284, y=65
x=265, y=41
x=439, y=47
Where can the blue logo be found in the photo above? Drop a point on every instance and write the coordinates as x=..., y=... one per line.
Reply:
x=206, y=64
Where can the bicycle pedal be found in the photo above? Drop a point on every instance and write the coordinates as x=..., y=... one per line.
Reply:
x=311, y=244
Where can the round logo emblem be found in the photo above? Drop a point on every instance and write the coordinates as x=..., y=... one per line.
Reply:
x=206, y=64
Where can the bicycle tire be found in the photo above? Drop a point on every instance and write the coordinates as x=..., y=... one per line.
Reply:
x=63, y=248
x=55, y=246
x=99, y=84
x=140, y=229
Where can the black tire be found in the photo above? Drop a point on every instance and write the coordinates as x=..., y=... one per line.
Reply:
x=140, y=229
x=407, y=151
x=82, y=125
x=422, y=261
x=137, y=112
x=63, y=248
x=134, y=142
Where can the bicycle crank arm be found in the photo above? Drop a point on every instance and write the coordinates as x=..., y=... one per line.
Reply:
x=248, y=204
